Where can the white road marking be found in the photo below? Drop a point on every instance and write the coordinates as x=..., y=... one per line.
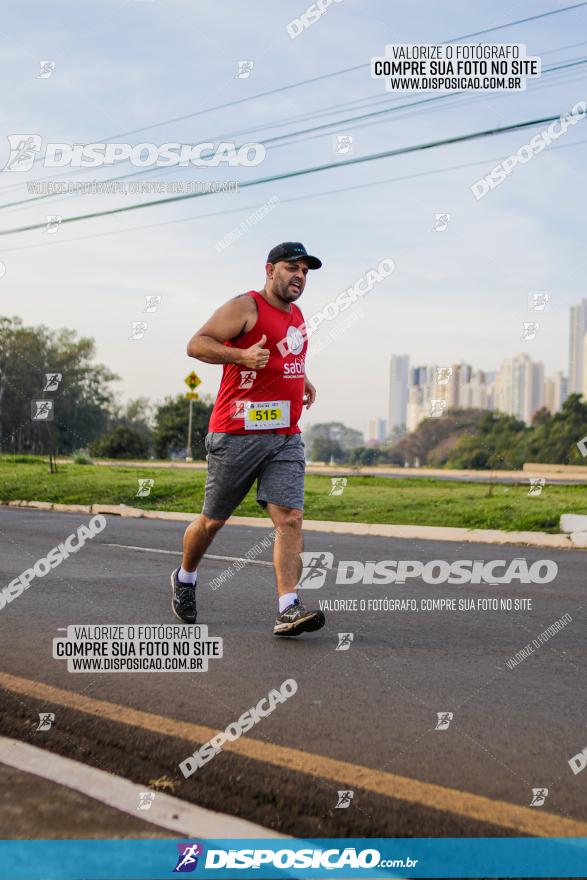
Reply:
x=168, y=812
x=178, y=553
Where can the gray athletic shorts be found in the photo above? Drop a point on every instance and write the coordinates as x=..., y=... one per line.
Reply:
x=235, y=461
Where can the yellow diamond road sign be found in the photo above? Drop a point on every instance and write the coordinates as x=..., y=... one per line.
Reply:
x=192, y=380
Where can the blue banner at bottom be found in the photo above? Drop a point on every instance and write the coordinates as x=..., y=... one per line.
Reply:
x=270, y=858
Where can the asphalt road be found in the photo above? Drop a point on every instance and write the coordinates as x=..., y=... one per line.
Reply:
x=372, y=706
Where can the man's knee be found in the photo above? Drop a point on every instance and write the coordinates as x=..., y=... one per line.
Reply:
x=287, y=518
x=211, y=526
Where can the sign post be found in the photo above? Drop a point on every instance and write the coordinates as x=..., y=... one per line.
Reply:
x=192, y=380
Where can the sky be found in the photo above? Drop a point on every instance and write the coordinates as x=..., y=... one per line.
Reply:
x=456, y=294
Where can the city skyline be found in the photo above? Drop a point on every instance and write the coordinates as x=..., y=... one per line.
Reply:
x=518, y=387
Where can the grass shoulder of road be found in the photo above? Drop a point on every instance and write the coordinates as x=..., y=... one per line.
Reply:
x=366, y=499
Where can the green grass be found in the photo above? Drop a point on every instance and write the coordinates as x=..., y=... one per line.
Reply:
x=418, y=501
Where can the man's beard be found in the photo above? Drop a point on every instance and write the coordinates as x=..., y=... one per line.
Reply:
x=288, y=294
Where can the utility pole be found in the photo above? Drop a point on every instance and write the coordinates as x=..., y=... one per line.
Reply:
x=188, y=456
x=192, y=380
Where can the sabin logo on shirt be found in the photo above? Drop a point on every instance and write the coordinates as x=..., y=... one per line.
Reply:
x=294, y=369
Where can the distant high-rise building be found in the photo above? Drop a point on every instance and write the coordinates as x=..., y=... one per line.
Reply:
x=555, y=392
x=420, y=375
x=490, y=377
x=578, y=329
x=502, y=388
x=457, y=395
x=474, y=394
x=519, y=387
x=453, y=389
x=428, y=394
x=399, y=376
x=415, y=409
x=377, y=430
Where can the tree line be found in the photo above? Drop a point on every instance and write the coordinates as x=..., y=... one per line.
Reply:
x=473, y=439
x=83, y=412
x=85, y=415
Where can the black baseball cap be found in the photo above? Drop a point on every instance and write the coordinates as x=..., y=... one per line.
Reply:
x=292, y=250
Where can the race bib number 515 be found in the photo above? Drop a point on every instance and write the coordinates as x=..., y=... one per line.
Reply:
x=266, y=415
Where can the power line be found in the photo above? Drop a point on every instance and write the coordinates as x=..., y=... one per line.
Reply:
x=301, y=172
x=375, y=113
x=311, y=195
x=225, y=105
x=520, y=21
x=285, y=138
x=326, y=76
x=342, y=71
x=456, y=103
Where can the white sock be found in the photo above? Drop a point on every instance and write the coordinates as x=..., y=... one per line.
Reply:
x=187, y=577
x=286, y=600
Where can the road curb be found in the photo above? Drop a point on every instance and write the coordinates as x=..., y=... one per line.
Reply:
x=572, y=541
x=171, y=813
x=442, y=533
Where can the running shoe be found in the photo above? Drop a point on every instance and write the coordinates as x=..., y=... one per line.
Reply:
x=183, y=599
x=296, y=619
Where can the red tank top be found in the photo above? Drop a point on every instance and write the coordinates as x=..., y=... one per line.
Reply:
x=280, y=381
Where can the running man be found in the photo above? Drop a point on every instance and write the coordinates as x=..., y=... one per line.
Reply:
x=259, y=339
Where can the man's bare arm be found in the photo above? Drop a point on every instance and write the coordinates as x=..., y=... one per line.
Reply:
x=309, y=393
x=235, y=317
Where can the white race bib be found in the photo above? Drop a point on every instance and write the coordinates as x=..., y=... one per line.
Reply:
x=266, y=415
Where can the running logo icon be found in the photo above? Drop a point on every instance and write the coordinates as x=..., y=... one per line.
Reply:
x=443, y=375
x=314, y=568
x=538, y=301
x=539, y=795
x=247, y=379
x=436, y=407
x=441, y=222
x=46, y=720
x=444, y=719
x=338, y=485
x=343, y=143
x=138, y=329
x=187, y=860
x=47, y=68
x=23, y=151
x=344, y=641
x=52, y=381
x=146, y=798
x=53, y=222
x=239, y=409
x=152, y=303
x=536, y=486
x=244, y=69
x=42, y=410
x=529, y=330
x=344, y=799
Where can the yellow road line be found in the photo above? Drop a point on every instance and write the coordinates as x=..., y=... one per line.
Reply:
x=523, y=820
